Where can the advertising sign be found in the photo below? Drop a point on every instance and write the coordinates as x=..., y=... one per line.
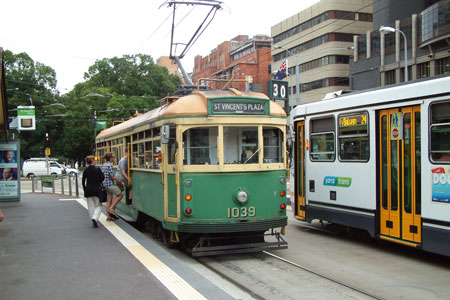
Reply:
x=9, y=171
x=441, y=185
x=26, y=118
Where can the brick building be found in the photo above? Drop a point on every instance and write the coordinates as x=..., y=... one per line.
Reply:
x=165, y=61
x=236, y=59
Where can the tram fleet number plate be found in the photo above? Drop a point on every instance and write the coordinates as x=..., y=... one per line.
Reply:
x=236, y=212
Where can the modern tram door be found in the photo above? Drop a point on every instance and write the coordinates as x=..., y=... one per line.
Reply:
x=300, y=212
x=399, y=173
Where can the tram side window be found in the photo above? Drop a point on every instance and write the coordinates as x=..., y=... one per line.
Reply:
x=272, y=145
x=440, y=132
x=322, y=140
x=200, y=146
x=353, y=137
x=240, y=144
x=172, y=145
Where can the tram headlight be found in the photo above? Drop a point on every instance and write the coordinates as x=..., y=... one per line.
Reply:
x=282, y=180
x=283, y=193
x=188, y=211
x=241, y=196
x=188, y=183
x=282, y=206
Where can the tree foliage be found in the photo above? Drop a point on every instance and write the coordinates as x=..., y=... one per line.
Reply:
x=115, y=88
x=33, y=83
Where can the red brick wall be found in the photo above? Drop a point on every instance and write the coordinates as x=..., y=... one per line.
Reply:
x=254, y=64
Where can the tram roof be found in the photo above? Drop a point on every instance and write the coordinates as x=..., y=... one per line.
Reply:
x=195, y=104
x=411, y=90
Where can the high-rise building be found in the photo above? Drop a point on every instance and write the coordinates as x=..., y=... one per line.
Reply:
x=319, y=40
x=379, y=58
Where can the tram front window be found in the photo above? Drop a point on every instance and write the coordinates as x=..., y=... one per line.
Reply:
x=200, y=146
x=240, y=145
x=272, y=145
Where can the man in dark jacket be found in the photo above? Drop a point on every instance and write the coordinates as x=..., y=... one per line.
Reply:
x=92, y=177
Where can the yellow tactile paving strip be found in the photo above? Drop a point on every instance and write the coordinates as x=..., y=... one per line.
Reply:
x=174, y=283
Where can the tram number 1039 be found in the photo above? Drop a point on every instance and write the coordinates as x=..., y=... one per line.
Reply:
x=236, y=212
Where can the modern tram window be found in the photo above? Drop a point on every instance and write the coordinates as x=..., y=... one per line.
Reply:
x=322, y=139
x=200, y=146
x=240, y=145
x=354, y=137
x=440, y=132
x=272, y=145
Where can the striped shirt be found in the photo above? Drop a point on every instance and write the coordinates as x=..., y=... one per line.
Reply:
x=107, y=169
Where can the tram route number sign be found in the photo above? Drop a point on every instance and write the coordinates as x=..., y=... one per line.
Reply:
x=278, y=89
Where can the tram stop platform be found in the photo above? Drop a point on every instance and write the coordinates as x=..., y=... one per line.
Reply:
x=50, y=250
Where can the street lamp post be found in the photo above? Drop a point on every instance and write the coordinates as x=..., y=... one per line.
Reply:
x=387, y=29
x=297, y=74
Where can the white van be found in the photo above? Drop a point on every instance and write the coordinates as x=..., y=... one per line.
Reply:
x=38, y=166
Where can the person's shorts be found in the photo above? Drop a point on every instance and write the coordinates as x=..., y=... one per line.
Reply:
x=124, y=184
x=113, y=191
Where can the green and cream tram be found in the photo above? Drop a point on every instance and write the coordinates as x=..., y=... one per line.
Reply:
x=208, y=170
x=378, y=160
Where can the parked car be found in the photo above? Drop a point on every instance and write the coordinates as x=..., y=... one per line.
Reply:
x=38, y=166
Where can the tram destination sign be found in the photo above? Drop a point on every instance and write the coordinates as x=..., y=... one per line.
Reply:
x=245, y=108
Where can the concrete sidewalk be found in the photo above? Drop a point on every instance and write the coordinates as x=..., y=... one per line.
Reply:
x=50, y=250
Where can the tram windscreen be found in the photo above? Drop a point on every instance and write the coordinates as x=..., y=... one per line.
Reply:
x=240, y=145
x=200, y=146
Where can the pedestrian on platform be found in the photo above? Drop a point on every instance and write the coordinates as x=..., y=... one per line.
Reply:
x=92, y=177
x=113, y=191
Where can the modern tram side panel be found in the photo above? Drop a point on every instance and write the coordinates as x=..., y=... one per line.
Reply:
x=378, y=161
x=435, y=176
x=337, y=183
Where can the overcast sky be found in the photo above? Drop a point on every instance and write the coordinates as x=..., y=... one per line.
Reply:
x=70, y=35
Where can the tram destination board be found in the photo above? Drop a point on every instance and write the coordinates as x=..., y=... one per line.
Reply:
x=245, y=108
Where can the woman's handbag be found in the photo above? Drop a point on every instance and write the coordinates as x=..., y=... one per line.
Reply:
x=102, y=194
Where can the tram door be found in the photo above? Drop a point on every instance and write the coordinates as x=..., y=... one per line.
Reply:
x=300, y=210
x=399, y=170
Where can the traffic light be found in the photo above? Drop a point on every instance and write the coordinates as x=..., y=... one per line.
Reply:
x=47, y=141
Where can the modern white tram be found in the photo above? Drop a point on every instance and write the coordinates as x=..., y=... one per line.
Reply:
x=378, y=160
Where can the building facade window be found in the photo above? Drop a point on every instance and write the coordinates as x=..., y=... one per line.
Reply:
x=324, y=82
x=330, y=37
x=335, y=14
x=442, y=66
x=434, y=21
x=389, y=77
x=423, y=70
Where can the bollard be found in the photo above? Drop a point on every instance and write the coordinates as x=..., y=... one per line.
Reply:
x=42, y=186
x=76, y=186
x=54, y=183
x=32, y=184
x=70, y=185
x=62, y=185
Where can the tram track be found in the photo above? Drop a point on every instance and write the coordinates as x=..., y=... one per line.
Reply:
x=325, y=276
x=266, y=284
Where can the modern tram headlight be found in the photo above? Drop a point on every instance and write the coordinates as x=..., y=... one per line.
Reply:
x=241, y=195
